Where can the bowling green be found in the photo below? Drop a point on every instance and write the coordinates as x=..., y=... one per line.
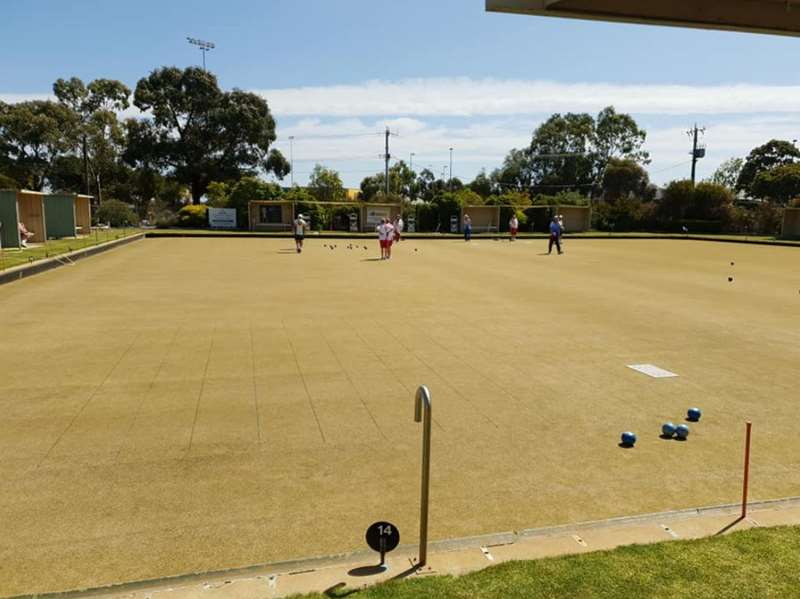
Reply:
x=185, y=405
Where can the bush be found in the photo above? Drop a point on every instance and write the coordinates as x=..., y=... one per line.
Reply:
x=194, y=216
x=562, y=198
x=317, y=215
x=116, y=214
x=623, y=214
x=710, y=201
x=248, y=189
x=427, y=217
x=767, y=219
x=165, y=219
x=736, y=219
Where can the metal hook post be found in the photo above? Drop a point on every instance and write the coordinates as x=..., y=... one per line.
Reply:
x=423, y=396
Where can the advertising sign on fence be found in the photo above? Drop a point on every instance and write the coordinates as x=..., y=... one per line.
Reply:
x=375, y=214
x=222, y=218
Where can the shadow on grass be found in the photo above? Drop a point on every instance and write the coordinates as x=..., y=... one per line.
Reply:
x=340, y=588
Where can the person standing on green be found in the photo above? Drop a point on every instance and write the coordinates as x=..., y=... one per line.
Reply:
x=467, y=227
x=555, y=236
x=299, y=227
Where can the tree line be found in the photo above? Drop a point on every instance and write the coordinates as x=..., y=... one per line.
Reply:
x=178, y=137
x=188, y=133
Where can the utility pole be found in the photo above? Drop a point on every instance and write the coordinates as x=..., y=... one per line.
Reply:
x=411, y=168
x=698, y=152
x=386, y=157
x=86, y=165
x=291, y=158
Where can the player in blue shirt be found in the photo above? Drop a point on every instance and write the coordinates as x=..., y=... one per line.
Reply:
x=555, y=236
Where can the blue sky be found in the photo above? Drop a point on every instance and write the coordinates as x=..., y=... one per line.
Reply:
x=442, y=74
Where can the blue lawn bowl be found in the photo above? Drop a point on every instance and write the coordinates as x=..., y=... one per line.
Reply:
x=682, y=432
x=694, y=414
x=667, y=430
x=628, y=439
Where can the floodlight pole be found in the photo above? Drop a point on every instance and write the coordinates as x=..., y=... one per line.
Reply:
x=204, y=47
x=422, y=400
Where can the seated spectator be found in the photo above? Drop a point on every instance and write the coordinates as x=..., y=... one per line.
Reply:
x=24, y=234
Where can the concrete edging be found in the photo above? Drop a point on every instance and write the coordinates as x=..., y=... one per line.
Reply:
x=443, y=546
x=17, y=273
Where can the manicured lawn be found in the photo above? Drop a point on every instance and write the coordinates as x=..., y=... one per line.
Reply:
x=754, y=563
x=11, y=258
x=200, y=404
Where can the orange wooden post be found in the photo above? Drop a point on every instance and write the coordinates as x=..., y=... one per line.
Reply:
x=746, y=470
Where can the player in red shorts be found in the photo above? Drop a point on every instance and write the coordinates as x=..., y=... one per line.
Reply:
x=390, y=231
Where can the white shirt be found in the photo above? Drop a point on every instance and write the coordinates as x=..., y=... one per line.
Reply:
x=513, y=223
x=381, y=229
x=389, y=231
x=299, y=226
x=400, y=225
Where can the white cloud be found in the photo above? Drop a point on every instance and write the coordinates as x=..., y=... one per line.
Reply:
x=491, y=97
x=14, y=98
x=342, y=125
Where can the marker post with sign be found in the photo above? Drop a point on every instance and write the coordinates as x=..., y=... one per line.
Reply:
x=383, y=537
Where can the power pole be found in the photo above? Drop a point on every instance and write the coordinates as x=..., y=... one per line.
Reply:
x=291, y=158
x=698, y=152
x=386, y=157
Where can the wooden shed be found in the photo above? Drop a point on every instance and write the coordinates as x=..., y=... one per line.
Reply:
x=270, y=215
x=576, y=218
x=485, y=219
x=83, y=214
x=30, y=210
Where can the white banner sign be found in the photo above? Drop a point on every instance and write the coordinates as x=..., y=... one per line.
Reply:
x=222, y=218
x=376, y=214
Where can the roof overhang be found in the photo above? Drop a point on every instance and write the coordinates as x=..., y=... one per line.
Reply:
x=777, y=17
